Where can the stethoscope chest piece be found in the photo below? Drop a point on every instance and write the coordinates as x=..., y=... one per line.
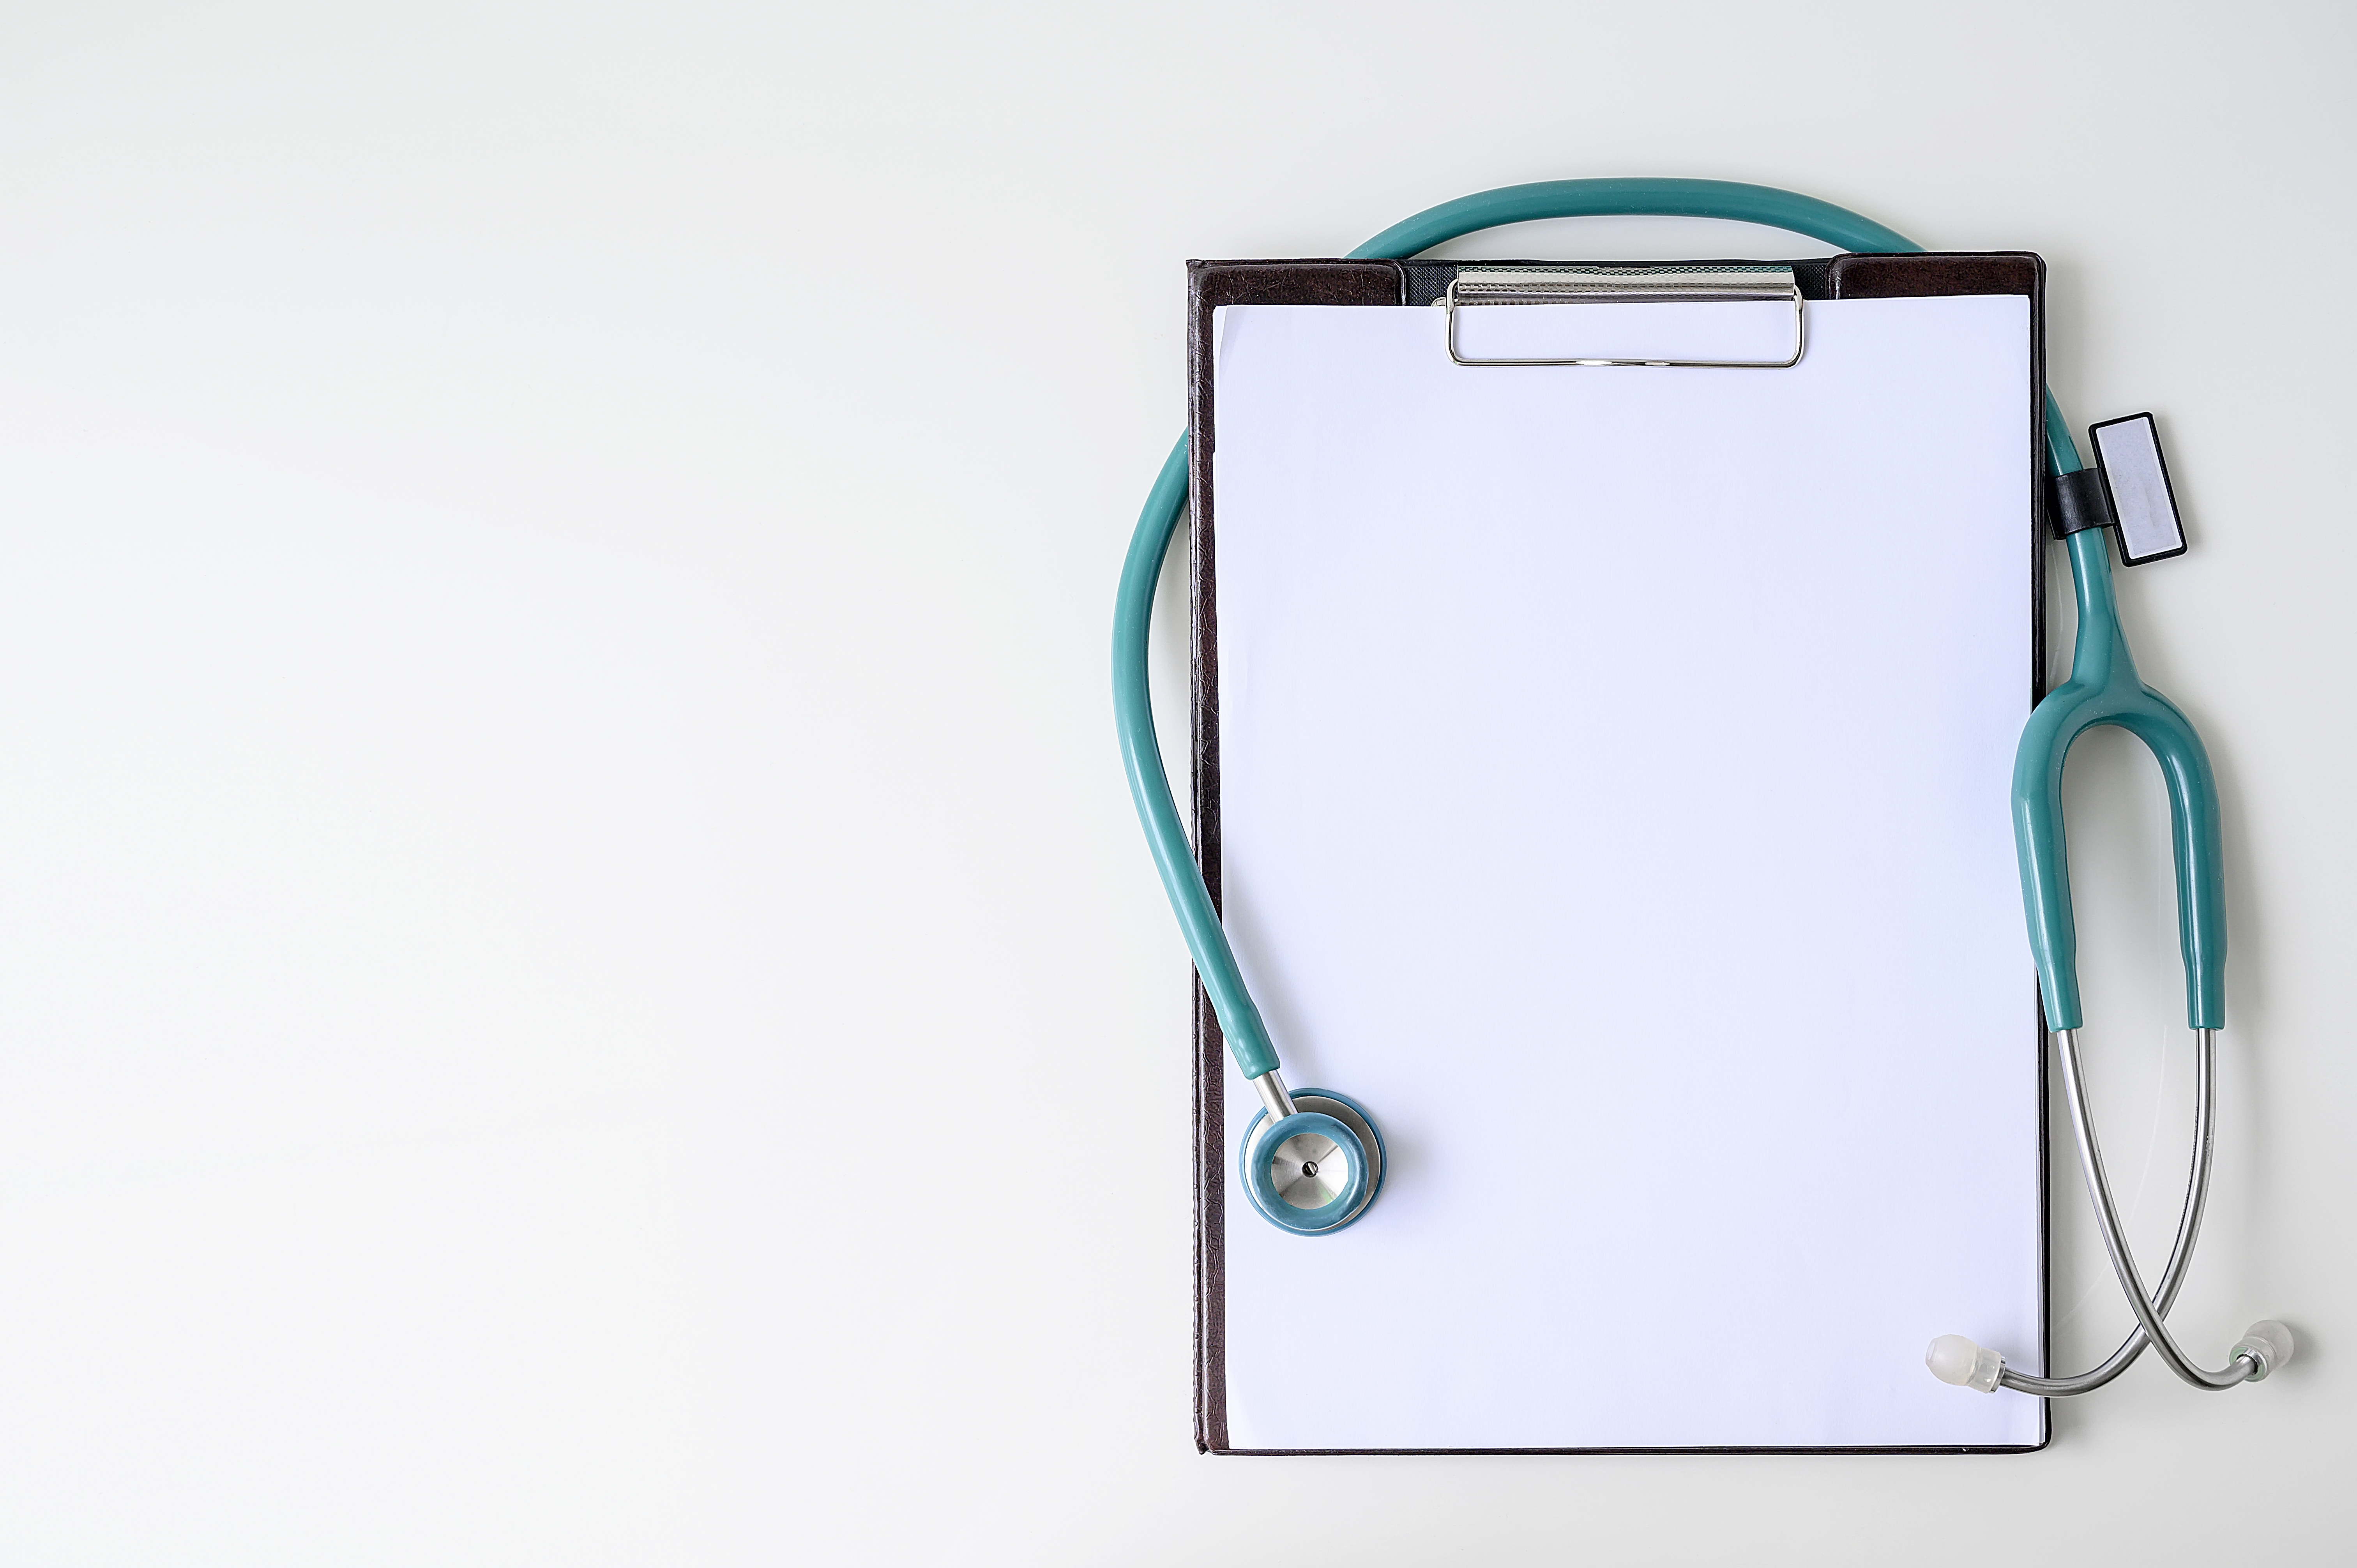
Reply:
x=1315, y=1170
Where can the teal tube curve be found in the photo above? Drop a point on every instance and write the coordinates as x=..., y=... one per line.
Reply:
x=2104, y=688
x=1149, y=784
x=2037, y=816
x=1762, y=204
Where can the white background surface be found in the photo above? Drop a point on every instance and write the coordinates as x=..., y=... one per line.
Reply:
x=567, y=913
x=1595, y=813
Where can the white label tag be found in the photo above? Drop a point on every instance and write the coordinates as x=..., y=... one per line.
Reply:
x=2128, y=451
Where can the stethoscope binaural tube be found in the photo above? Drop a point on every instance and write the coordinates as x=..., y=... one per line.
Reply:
x=2104, y=688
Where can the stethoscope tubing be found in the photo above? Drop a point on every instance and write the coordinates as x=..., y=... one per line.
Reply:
x=2104, y=688
x=1149, y=783
x=1166, y=505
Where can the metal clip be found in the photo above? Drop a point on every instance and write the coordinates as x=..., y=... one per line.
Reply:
x=1721, y=282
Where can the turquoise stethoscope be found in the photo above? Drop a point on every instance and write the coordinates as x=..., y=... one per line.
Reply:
x=1311, y=1161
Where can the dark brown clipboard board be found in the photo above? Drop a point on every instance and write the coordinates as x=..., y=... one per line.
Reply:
x=1212, y=284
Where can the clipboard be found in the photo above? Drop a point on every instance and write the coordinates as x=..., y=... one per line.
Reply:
x=1221, y=1426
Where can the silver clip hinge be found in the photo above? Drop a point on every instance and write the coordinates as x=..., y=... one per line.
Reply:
x=1725, y=283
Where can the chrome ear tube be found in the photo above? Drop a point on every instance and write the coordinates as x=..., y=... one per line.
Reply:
x=2266, y=1346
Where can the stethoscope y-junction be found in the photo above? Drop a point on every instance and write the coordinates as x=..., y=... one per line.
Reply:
x=1312, y=1160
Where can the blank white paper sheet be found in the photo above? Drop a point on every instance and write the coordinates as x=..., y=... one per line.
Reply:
x=1614, y=769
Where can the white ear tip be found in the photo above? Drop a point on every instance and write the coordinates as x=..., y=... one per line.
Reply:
x=2271, y=1342
x=1957, y=1359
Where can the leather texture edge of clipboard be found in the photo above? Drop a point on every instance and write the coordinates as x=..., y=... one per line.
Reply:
x=1211, y=284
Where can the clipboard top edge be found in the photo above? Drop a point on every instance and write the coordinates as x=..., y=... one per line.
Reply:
x=1854, y=274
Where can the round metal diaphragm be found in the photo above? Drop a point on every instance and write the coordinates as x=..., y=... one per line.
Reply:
x=1310, y=1171
x=1292, y=1180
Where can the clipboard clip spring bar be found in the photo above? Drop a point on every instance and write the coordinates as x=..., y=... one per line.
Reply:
x=1722, y=283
